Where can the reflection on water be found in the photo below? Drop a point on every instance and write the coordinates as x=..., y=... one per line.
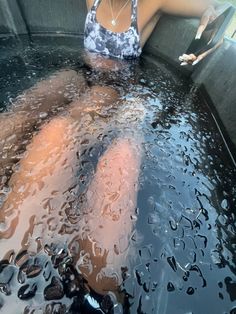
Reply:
x=177, y=239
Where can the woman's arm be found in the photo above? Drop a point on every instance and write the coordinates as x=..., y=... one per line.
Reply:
x=206, y=9
x=89, y=4
x=193, y=8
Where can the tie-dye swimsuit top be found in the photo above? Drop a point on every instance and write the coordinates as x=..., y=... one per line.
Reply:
x=124, y=45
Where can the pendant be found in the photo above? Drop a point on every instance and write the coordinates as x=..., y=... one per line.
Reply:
x=113, y=22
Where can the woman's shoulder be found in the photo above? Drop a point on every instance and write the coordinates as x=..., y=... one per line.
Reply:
x=150, y=5
x=144, y=5
x=153, y=3
x=89, y=4
x=147, y=9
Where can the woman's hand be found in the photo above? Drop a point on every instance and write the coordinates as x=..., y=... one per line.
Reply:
x=192, y=59
x=208, y=16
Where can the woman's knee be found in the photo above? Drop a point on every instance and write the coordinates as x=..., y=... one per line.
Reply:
x=100, y=96
x=71, y=82
x=49, y=94
x=104, y=95
x=123, y=155
x=116, y=178
x=93, y=99
x=48, y=145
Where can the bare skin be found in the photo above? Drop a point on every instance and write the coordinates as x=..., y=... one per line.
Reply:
x=44, y=97
x=38, y=189
x=150, y=11
x=111, y=203
x=40, y=159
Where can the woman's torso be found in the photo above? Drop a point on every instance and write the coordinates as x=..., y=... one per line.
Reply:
x=104, y=41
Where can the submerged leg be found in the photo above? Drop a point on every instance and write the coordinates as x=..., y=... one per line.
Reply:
x=38, y=196
x=105, y=239
x=46, y=96
x=44, y=174
x=93, y=100
x=47, y=142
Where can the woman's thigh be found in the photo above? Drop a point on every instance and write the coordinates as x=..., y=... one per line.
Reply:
x=45, y=173
x=47, y=96
x=94, y=99
x=108, y=223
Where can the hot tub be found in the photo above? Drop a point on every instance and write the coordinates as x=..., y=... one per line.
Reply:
x=182, y=256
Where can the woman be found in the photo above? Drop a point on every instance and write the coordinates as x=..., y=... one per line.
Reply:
x=114, y=28
x=38, y=188
x=121, y=28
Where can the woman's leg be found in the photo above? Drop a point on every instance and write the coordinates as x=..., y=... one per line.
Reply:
x=30, y=184
x=93, y=100
x=105, y=237
x=38, y=196
x=46, y=96
x=44, y=175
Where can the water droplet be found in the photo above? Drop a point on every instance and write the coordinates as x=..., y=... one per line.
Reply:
x=5, y=289
x=173, y=224
x=220, y=284
x=170, y=287
x=27, y=292
x=21, y=258
x=190, y=291
x=54, y=291
x=21, y=277
x=133, y=217
x=146, y=253
x=153, y=219
x=47, y=271
x=43, y=115
x=224, y=204
x=33, y=271
x=216, y=258
x=233, y=310
x=6, y=273
x=172, y=262
x=221, y=296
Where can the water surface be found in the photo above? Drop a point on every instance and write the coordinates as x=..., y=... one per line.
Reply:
x=183, y=243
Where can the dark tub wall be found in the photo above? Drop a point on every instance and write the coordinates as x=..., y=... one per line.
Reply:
x=217, y=72
x=50, y=16
x=219, y=78
x=179, y=32
x=11, y=21
x=43, y=16
x=172, y=36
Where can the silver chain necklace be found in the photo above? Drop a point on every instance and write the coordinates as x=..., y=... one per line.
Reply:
x=114, y=19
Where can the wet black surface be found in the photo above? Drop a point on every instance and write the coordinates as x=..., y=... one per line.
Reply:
x=185, y=219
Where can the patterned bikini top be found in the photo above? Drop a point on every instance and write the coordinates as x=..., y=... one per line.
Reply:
x=124, y=45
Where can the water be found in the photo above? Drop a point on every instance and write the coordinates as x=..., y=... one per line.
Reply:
x=181, y=248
